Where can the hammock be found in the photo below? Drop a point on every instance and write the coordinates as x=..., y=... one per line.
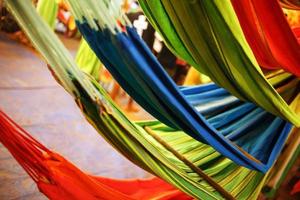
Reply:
x=269, y=34
x=48, y=10
x=87, y=61
x=210, y=32
x=193, y=167
x=53, y=174
x=207, y=113
x=58, y=179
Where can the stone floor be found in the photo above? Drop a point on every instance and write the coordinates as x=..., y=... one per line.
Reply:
x=31, y=97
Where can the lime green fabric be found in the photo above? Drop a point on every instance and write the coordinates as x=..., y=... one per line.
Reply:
x=130, y=138
x=48, y=9
x=212, y=36
x=140, y=74
x=87, y=61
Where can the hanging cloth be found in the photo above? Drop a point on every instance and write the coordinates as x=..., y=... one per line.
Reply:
x=193, y=167
x=269, y=35
x=210, y=31
x=59, y=179
x=190, y=109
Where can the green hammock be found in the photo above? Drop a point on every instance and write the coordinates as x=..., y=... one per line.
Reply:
x=87, y=61
x=207, y=35
x=48, y=10
x=176, y=158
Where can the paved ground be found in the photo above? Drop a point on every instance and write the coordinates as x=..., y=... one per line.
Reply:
x=31, y=97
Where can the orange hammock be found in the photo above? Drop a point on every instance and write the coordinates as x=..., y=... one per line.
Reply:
x=59, y=179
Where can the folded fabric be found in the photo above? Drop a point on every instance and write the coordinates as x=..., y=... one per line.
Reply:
x=193, y=167
x=269, y=35
x=207, y=113
x=210, y=32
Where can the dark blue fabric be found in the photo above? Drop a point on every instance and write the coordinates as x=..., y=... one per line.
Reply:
x=133, y=88
x=207, y=113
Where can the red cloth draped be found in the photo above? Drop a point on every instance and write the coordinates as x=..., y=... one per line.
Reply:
x=58, y=179
x=269, y=35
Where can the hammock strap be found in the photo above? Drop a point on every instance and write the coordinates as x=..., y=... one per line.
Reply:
x=197, y=170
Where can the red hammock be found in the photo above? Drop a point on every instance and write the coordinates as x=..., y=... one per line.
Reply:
x=269, y=35
x=59, y=179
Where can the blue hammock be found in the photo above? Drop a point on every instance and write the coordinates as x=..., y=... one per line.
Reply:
x=241, y=131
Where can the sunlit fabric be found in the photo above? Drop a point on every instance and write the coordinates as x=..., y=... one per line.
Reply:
x=203, y=173
x=269, y=35
x=211, y=34
x=202, y=112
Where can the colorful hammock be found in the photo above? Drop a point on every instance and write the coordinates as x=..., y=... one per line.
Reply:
x=207, y=113
x=209, y=32
x=193, y=167
x=53, y=173
x=59, y=179
x=269, y=35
